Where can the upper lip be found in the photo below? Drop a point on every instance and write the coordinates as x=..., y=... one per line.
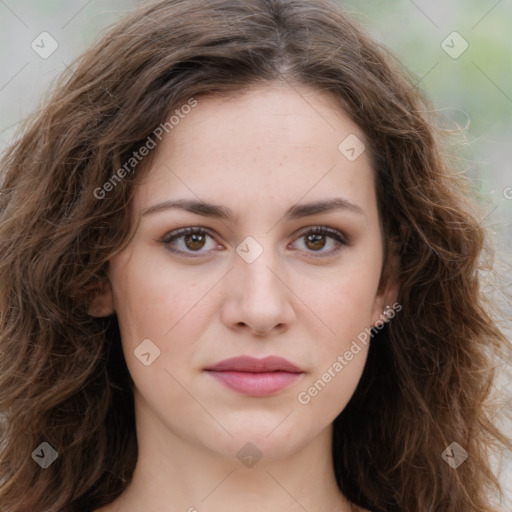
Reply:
x=254, y=365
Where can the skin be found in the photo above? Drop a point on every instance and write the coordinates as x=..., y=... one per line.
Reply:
x=258, y=154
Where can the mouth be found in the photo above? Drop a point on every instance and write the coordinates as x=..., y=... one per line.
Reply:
x=255, y=377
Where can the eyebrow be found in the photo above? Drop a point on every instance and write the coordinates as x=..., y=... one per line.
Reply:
x=222, y=212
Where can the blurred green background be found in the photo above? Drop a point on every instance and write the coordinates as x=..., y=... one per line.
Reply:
x=473, y=91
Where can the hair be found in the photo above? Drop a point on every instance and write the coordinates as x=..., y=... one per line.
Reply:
x=63, y=379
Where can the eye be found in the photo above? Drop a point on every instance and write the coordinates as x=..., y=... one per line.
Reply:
x=317, y=238
x=188, y=241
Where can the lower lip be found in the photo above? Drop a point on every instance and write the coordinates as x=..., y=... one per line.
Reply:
x=255, y=384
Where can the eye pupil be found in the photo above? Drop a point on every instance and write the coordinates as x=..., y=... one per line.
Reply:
x=316, y=238
x=196, y=239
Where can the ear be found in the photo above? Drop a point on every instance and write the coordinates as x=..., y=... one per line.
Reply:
x=389, y=285
x=103, y=301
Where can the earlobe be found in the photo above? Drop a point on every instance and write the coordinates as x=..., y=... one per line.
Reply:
x=388, y=290
x=102, y=304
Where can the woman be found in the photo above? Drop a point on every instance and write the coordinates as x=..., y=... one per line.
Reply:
x=237, y=274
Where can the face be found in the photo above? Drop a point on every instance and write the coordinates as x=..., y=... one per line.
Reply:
x=260, y=274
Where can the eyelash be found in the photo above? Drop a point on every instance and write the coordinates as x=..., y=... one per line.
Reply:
x=340, y=238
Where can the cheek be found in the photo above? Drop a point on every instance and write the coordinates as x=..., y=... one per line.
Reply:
x=150, y=301
x=157, y=332
x=344, y=303
x=326, y=394
x=167, y=308
x=341, y=350
x=345, y=298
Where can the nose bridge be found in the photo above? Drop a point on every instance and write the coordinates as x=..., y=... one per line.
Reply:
x=258, y=297
x=257, y=263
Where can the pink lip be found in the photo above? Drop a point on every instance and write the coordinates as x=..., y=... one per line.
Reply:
x=255, y=377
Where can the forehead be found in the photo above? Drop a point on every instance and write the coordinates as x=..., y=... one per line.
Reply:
x=265, y=146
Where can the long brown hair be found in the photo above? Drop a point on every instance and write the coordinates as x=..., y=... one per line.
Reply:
x=63, y=379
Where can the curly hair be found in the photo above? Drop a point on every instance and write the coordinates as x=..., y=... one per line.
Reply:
x=63, y=379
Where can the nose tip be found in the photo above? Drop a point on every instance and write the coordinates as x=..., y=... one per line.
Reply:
x=259, y=331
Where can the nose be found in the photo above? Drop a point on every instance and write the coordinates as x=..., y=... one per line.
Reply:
x=257, y=296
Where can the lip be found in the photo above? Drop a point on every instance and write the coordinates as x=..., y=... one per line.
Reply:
x=255, y=377
x=254, y=365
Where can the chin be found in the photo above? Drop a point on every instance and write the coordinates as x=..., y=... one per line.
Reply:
x=268, y=440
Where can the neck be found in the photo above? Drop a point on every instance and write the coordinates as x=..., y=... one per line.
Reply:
x=175, y=473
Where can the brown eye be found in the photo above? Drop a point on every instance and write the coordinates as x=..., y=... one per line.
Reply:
x=188, y=241
x=315, y=242
x=194, y=242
